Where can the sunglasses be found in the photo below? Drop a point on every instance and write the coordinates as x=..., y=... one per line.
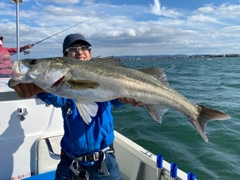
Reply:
x=76, y=49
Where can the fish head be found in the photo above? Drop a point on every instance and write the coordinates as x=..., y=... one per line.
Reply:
x=46, y=73
x=20, y=72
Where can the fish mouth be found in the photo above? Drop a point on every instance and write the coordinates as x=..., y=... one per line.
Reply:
x=19, y=70
x=58, y=82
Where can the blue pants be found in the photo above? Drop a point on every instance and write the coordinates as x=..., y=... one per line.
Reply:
x=64, y=172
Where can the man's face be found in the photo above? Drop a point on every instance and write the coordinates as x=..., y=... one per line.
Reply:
x=82, y=52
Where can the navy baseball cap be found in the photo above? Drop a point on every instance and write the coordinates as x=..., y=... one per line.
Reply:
x=72, y=38
x=1, y=38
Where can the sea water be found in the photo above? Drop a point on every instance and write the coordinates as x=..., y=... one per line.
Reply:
x=213, y=82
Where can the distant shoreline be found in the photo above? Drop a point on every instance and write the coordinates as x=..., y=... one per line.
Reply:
x=180, y=56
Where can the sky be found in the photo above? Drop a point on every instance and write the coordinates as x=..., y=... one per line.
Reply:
x=125, y=27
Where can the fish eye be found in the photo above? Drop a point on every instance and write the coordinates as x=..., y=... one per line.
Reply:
x=34, y=61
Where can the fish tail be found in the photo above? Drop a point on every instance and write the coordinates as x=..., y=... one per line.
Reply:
x=207, y=114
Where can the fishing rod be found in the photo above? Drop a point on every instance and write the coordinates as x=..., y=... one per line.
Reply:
x=27, y=52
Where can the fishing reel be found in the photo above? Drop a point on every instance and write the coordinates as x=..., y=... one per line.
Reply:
x=26, y=52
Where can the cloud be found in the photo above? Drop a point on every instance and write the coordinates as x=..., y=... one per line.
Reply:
x=163, y=11
x=88, y=2
x=224, y=11
x=60, y=11
x=200, y=18
x=207, y=9
x=63, y=1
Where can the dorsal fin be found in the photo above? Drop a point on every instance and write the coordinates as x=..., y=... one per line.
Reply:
x=110, y=60
x=157, y=73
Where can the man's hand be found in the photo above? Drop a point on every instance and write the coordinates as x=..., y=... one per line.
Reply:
x=28, y=46
x=27, y=90
x=132, y=101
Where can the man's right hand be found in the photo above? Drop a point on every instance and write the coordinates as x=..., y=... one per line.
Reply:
x=27, y=90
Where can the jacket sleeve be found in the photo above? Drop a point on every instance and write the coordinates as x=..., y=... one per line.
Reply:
x=13, y=51
x=116, y=103
x=49, y=98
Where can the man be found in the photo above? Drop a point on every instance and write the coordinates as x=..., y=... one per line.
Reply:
x=5, y=59
x=87, y=150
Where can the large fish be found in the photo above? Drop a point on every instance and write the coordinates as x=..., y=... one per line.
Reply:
x=104, y=79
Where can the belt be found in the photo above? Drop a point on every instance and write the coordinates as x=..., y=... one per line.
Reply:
x=89, y=157
x=92, y=158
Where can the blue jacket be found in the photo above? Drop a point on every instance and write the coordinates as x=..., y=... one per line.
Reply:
x=80, y=138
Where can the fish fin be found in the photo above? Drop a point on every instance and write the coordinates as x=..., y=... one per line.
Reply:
x=97, y=57
x=156, y=112
x=108, y=60
x=157, y=73
x=206, y=115
x=82, y=84
x=87, y=110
